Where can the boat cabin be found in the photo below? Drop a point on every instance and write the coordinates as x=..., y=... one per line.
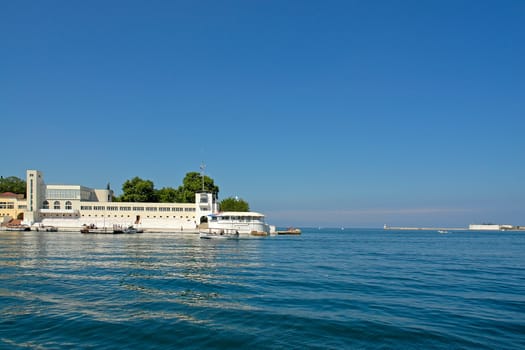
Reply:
x=242, y=222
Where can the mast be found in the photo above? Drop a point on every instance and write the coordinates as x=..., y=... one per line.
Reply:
x=202, y=167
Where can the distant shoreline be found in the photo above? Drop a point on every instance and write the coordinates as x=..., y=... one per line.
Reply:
x=400, y=228
x=495, y=228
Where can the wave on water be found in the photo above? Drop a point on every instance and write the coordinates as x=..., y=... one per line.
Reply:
x=328, y=289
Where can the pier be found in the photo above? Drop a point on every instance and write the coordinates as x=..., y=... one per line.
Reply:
x=401, y=228
x=472, y=227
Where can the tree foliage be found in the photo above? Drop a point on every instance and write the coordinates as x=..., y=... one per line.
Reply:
x=234, y=204
x=192, y=183
x=167, y=195
x=138, y=190
x=12, y=184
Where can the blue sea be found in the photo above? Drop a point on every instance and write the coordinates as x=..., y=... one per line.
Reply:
x=324, y=289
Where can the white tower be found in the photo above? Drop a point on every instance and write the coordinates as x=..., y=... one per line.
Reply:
x=205, y=203
x=36, y=194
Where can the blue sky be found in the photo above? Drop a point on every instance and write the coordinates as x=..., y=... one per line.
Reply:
x=318, y=113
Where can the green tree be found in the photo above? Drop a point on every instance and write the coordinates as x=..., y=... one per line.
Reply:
x=192, y=183
x=167, y=195
x=12, y=184
x=138, y=190
x=234, y=204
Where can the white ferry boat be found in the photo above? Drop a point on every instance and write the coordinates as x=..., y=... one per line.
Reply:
x=211, y=233
x=244, y=223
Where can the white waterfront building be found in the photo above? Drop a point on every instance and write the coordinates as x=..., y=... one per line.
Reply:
x=489, y=227
x=243, y=223
x=72, y=206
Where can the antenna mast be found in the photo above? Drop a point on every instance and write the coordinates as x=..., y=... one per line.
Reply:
x=203, y=167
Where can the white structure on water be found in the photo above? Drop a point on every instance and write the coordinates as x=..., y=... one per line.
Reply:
x=243, y=223
x=71, y=206
x=489, y=227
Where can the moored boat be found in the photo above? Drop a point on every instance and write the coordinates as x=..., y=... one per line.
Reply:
x=245, y=223
x=47, y=229
x=218, y=234
x=95, y=229
x=19, y=228
x=290, y=231
x=132, y=229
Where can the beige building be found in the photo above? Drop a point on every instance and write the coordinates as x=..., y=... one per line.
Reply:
x=72, y=206
x=12, y=206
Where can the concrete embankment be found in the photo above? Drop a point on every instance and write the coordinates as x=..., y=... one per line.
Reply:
x=400, y=228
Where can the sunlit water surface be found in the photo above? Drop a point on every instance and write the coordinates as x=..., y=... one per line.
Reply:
x=327, y=288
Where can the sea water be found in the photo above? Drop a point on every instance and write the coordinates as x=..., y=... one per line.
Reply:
x=324, y=289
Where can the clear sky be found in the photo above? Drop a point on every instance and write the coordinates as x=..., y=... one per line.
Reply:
x=318, y=113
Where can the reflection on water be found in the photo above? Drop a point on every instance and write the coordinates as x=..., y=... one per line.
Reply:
x=335, y=289
x=151, y=276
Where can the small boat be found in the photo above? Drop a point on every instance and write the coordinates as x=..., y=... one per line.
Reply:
x=132, y=229
x=219, y=234
x=290, y=231
x=47, y=229
x=443, y=231
x=94, y=229
x=18, y=228
x=259, y=233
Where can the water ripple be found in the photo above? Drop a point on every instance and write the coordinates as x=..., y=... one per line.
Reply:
x=322, y=290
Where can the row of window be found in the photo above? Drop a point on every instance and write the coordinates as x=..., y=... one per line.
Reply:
x=239, y=218
x=163, y=209
x=57, y=215
x=64, y=193
x=68, y=206
x=12, y=207
x=31, y=191
x=154, y=216
x=115, y=216
x=56, y=205
x=7, y=205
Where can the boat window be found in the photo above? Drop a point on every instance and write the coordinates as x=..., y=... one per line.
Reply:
x=69, y=206
x=204, y=198
x=46, y=205
x=56, y=205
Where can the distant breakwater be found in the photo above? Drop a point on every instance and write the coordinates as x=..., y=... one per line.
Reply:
x=402, y=228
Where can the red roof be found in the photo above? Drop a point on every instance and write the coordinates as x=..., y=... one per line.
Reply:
x=10, y=195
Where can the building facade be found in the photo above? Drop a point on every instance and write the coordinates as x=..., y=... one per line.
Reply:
x=72, y=206
x=12, y=206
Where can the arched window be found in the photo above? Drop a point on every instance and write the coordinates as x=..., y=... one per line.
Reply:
x=45, y=205
x=69, y=206
x=56, y=205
